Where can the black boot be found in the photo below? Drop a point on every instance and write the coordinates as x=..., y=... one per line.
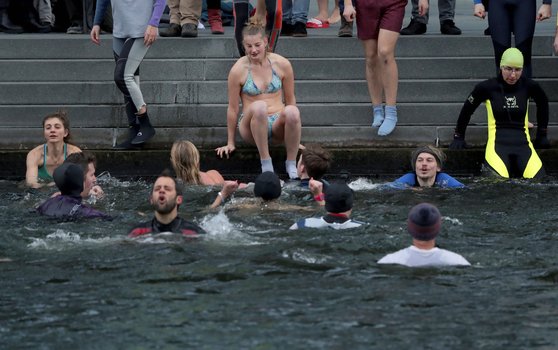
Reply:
x=6, y=24
x=133, y=130
x=146, y=130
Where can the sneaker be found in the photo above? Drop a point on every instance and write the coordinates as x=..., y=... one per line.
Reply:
x=286, y=29
x=414, y=28
x=346, y=29
x=189, y=30
x=75, y=29
x=299, y=30
x=172, y=30
x=448, y=27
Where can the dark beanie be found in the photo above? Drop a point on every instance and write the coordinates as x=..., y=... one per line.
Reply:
x=267, y=186
x=68, y=177
x=338, y=198
x=424, y=222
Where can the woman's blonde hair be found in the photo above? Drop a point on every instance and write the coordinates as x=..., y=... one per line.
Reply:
x=254, y=27
x=185, y=159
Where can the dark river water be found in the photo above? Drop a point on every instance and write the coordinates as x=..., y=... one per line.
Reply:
x=250, y=283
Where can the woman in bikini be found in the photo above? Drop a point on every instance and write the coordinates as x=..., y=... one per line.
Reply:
x=264, y=83
x=43, y=159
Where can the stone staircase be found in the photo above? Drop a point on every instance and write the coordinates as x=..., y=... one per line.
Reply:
x=184, y=85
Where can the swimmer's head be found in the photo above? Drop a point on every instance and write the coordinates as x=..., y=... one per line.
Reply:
x=267, y=186
x=87, y=162
x=185, y=159
x=314, y=160
x=58, y=118
x=424, y=222
x=512, y=57
x=68, y=177
x=338, y=198
x=436, y=152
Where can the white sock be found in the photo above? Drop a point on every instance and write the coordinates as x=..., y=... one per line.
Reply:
x=267, y=165
x=290, y=165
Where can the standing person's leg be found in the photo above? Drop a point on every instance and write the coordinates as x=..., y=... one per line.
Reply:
x=374, y=79
x=190, y=12
x=287, y=25
x=129, y=107
x=524, y=30
x=447, y=14
x=274, y=21
x=299, y=17
x=214, y=16
x=390, y=21
x=129, y=60
x=174, y=28
x=500, y=22
x=418, y=23
x=240, y=12
x=346, y=28
x=74, y=9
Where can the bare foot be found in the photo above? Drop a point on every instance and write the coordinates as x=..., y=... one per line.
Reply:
x=335, y=16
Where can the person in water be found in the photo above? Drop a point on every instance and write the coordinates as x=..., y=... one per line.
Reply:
x=88, y=163
x=423, y=224
x=313, y=163
x=185, y=159
x=339, y=206
x=70, y=180
x=427, y=162
x=166, y=197
x=262, y=81
x=509, y=150
x=43, y=159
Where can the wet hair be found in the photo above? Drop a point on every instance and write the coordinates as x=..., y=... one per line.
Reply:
x=63, y=116
x=177, y=185
x=185, y=159
x=316, y=160
x=254, y=27
x=82, y=159
x=436, y=152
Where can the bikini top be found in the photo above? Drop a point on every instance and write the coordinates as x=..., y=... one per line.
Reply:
x=43, y=172
x=250, y=88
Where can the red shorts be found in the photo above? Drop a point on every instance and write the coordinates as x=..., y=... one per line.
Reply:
x=373, y=15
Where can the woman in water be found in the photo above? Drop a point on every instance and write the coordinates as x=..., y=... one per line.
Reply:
x=262, y=81
x=185, y=159
x=43, y=159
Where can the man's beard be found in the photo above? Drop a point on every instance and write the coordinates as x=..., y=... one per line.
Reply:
x=164, y=209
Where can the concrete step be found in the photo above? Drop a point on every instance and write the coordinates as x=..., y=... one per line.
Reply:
x=89, y=70
x=61, y=46
x=167, y=92
x=207, y=115
x=212, y=137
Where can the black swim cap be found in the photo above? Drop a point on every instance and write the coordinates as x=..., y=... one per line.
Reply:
x=68, y=177
x=338, y=198
x=267, y=186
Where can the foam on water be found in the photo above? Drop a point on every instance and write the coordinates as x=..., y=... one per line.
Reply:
x=61, y=239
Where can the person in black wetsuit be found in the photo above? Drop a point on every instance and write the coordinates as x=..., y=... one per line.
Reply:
x=166, y=196
x=70, y=180
x=517, y=17
x=509, y=150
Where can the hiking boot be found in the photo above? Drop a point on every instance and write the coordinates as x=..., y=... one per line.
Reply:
x=145, y=132
x=299, y=30
x=215, y=21
x=414, y=28
x=189, y=30
x=172, y=30
x=346, y=29
x=448, y=27
x=286, y=29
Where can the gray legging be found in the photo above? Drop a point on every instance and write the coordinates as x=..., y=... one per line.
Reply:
x=129, y=53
